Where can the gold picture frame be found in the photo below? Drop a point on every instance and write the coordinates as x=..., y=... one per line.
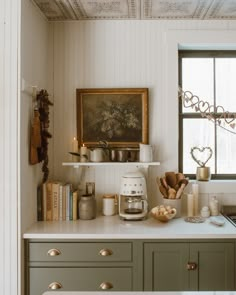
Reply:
x=118, y=116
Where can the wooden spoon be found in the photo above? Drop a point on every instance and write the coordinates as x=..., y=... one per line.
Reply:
x=171, y=179
x=164, y=183
x=183, y=183
x=163, y=191
x=179, y=176
x=171, y=193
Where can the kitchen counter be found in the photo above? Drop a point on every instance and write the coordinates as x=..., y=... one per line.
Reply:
x=140, y=293
x=111, y=227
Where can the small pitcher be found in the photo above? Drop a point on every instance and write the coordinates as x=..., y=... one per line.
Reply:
x=145, y=153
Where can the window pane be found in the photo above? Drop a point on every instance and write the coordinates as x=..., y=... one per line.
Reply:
x=226, y=155
x=197, y=77
x=199, y=133
x=225, y=83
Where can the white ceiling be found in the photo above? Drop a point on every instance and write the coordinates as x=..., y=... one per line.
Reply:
x=64, y=10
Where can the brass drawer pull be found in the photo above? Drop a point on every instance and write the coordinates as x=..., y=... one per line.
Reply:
x=55, y=286
x=105, y=252
x=54, y=252
x=191, y=266
x=106, y=286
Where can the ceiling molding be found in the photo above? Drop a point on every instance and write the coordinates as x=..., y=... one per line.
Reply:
x=65, y=10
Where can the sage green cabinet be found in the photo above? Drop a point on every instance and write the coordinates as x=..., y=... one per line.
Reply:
x=203, y=266
x=165, y=266
x=82, y=266
x=81, y=252
x=130, y=265
x=215, y=266
x=80, y=279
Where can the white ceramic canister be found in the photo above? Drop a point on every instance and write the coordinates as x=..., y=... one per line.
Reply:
x=97, y=155
x=174, y=203
x=145, y=153
x=109, y=205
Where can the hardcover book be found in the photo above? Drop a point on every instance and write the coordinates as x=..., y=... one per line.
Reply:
x=55, y=200
x=49, y=201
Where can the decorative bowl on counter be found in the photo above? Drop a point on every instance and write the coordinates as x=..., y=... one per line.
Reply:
x=163, y=213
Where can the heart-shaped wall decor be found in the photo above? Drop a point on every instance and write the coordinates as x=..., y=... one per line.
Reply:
x=201, y=155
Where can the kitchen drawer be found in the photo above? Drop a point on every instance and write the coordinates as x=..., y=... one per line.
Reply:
x=80, y=279
x=80, y=252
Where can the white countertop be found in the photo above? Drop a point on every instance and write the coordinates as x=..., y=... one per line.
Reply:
x=111, y=227
x=140, y=293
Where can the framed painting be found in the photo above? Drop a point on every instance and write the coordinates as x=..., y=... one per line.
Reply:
x=118, y=116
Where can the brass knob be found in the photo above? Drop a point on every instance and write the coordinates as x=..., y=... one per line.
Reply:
x=106, y=286
x=55, y=286
x=191, y=266
x=105, y=252
x=54, y=252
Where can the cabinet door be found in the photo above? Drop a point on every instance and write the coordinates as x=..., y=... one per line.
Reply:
x=165, y=266
x=79, y=279
x=214, y=266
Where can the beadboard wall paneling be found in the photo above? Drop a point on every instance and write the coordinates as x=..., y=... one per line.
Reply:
x=91, y=54
x=35, y=72
x=101, y=54
x=9, y=34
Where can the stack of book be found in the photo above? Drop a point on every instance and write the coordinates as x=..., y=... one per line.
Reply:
x=57, y=201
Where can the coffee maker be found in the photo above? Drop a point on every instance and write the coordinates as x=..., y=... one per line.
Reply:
x=133, y=203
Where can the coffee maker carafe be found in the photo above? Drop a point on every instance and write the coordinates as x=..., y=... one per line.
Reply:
x=133, y=197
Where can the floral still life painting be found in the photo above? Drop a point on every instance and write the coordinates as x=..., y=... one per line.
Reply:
x=117, y=116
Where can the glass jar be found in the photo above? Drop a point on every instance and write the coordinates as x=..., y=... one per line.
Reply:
x=205, y=212
x=214, y=206
x=87, y=207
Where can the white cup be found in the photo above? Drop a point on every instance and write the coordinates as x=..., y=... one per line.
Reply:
x=145, y=153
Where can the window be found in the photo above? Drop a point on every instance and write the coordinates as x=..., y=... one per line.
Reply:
x=210, y=75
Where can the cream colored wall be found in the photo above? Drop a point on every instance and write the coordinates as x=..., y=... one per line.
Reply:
x=34, y=71
x=91, y=54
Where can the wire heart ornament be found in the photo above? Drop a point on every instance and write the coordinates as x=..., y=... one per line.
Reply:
x=217, y=114
x=205, y=154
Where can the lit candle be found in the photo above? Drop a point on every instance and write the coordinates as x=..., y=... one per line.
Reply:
x=83, y=153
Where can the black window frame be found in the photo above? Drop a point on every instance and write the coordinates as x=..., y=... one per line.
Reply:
x=203, y=54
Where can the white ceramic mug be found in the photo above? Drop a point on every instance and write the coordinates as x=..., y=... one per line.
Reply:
x=145, y=153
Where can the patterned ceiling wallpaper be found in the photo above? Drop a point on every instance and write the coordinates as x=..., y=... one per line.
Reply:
x=63, y=10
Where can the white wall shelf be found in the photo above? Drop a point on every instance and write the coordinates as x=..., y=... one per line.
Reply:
x=116, y=164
